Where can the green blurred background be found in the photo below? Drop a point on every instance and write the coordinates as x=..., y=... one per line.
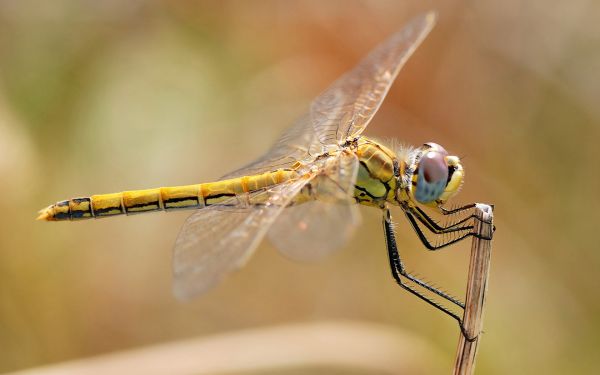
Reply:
x=98, y=97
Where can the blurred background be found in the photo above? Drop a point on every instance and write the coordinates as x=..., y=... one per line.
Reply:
x=99, y=97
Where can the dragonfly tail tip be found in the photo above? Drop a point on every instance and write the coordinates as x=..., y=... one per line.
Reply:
x=45, y=214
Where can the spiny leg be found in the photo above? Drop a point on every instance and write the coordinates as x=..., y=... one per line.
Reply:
x=444, y=243
x=456, y=210
x=397, y=268
x=397, y=264
x=433, y=226
x=445, y=211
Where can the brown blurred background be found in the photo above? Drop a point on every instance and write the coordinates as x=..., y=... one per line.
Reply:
x=98, y=97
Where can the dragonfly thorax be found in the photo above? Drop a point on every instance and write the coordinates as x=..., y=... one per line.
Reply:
x=378, y=174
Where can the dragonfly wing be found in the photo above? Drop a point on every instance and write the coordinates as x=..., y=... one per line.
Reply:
x=297, y=143
x=348, y=105
x=312, y=230
x=218, y=239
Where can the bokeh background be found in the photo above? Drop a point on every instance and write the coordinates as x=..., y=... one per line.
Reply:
x=104, y=96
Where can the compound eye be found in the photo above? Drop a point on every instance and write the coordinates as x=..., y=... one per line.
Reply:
x=434, y=167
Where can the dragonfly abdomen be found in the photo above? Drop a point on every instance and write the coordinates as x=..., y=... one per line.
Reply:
x=127, y=202
x=165, y=198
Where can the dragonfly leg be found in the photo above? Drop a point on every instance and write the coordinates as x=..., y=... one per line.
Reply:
x=445, y=241
x=433, y=226
x=398, y=270
x=447, y=212
x=398, y=265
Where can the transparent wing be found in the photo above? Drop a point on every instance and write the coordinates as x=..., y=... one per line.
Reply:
x=218, y=239
x=347, y=106
x=312, y=230
x=297, y=143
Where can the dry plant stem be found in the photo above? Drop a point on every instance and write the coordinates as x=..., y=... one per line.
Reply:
x=481, y=250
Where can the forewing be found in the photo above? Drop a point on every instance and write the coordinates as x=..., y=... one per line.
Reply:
x=348, y=105
x=218, y=239
x=312, y=230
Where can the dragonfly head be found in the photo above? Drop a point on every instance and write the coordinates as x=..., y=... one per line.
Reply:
x=437, y=176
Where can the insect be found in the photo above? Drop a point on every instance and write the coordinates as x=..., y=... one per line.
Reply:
x=303, y=192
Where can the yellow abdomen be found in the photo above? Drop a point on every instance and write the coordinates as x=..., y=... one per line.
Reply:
x=164, y=198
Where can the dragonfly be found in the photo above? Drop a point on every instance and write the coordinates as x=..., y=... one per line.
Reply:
x=304, y=192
